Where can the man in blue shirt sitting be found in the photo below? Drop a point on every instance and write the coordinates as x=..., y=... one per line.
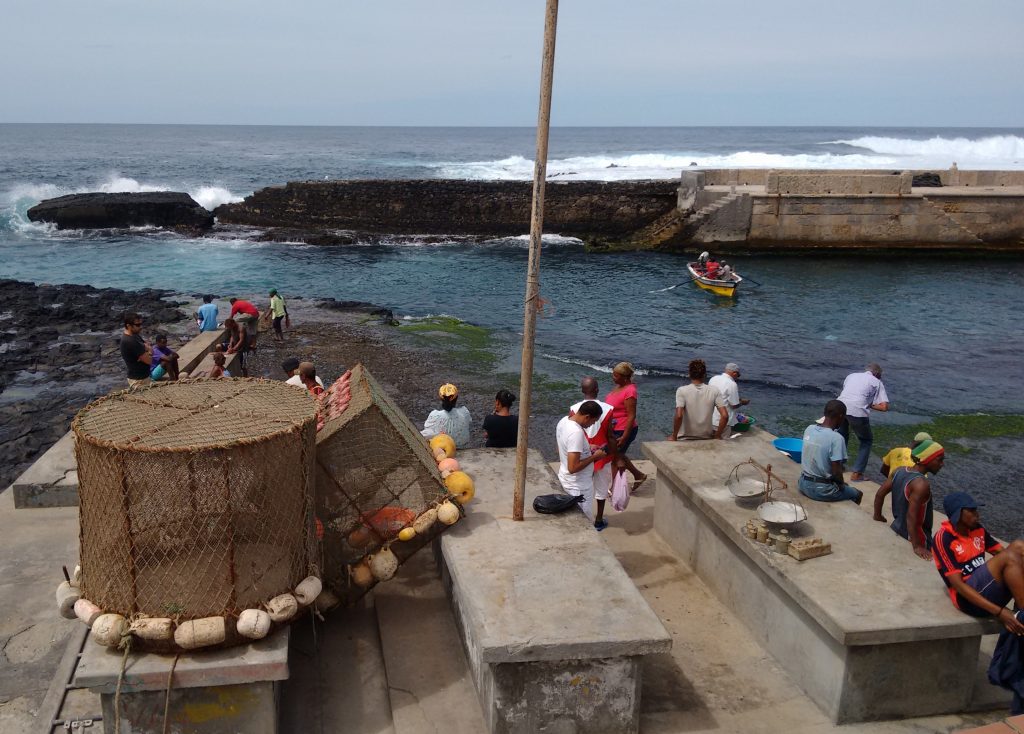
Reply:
x=822, y=458
x=206, y=316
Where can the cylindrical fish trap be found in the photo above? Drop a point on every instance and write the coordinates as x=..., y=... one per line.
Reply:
x=196, y=501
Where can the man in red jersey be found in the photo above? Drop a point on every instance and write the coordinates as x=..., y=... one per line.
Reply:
x=978, y=587
x=599, y=436
x=247, y=316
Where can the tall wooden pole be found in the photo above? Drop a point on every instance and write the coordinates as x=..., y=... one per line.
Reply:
x=531, y=302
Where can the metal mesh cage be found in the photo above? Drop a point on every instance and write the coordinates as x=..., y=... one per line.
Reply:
x=374, y=475
x=195, y=497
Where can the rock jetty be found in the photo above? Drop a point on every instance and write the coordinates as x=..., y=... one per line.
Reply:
x=118, y=211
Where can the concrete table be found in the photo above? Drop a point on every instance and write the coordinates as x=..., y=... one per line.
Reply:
x=868, y=632
x=231, y=690
x=555, y=631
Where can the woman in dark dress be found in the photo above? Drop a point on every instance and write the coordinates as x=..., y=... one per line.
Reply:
x=501, y=428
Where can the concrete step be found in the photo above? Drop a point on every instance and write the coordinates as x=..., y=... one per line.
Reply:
x=337, y=682
x=429, y=680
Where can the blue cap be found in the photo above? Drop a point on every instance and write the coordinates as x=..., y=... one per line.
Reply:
x=953, y=503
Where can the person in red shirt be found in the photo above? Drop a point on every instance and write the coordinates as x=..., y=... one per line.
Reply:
x=248, y=317
x=978, y=587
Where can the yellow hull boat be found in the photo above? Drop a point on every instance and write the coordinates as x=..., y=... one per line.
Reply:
x=725, y=288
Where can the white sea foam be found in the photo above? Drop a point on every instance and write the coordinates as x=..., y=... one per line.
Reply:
x=16, y=201
x=650, y=165
x=997, y=151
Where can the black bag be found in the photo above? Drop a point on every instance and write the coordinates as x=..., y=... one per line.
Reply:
x=552, y=504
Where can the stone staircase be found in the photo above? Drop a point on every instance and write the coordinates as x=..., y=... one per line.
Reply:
x=704, y=213
x=393, y=664
x=952, y=222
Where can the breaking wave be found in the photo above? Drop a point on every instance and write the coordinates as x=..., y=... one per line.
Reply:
x=16, y=201
x=996, y=151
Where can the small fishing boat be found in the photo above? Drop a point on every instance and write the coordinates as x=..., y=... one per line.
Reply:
x=718, y=287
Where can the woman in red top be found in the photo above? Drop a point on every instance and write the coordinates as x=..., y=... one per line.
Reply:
x=624, y=426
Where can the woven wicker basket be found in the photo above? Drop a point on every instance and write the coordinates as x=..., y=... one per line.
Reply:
x=195, y=497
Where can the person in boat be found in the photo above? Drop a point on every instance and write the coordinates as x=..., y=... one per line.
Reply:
x=726, y=272
x=702, y=261
x=711, y=269
x=978, y=587
x=912, y=497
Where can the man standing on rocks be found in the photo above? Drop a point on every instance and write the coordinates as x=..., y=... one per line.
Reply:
x=862, y=391
x=696, y=405
x=725, y=383
x=247, y=316
x=136, y=354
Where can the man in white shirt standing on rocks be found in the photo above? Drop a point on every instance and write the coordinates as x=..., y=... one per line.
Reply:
x=862, y=391
x=725, y=383
x=575, y=458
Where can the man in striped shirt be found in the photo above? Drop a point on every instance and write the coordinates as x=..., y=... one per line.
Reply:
x=978, y=587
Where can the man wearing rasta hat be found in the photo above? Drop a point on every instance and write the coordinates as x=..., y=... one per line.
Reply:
x=912, y=497
x=977, y=587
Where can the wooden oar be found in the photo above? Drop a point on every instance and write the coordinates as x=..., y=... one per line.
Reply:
x=662, y=290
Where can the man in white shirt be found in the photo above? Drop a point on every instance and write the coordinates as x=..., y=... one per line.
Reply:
x=725, y=383
x=575, y=458
x=696, y=403
x=599, y=435
x=862, y=391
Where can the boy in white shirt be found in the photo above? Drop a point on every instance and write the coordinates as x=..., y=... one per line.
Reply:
x=576, y=461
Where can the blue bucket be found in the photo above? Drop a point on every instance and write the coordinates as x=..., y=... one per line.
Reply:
x=791, y=447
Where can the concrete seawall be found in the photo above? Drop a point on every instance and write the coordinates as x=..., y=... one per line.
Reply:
x=737, y=210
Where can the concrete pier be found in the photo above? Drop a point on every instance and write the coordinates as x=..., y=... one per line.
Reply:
x=867, y=632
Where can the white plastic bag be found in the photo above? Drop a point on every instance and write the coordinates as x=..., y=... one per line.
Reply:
x=620, y=491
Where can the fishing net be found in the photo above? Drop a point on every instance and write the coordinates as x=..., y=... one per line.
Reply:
x=195, y=497
x=375, y=475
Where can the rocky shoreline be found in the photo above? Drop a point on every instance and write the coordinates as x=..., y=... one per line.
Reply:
x=60, y=351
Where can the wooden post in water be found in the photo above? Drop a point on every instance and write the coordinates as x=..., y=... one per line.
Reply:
x=531, y=302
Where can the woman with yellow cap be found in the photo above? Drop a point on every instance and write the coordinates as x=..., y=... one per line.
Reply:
x=451, y=419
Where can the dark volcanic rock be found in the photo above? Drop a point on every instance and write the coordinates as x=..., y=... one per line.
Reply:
x=387, y=316
x=585, y=209
x=117, y=211
x=59, y=350
x=926, y=179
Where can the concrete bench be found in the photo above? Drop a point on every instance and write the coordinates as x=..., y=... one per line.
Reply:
x=868, y=632
x=235, y=689
x=52, y=481
x=232, y=363
x=554, y=630
x=192, y=354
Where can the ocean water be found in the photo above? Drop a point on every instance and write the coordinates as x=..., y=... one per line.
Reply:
x=946, y=330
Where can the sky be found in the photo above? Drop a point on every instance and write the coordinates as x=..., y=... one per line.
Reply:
x=477, y=62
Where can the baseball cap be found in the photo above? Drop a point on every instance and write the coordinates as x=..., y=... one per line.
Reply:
x=957, y=501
